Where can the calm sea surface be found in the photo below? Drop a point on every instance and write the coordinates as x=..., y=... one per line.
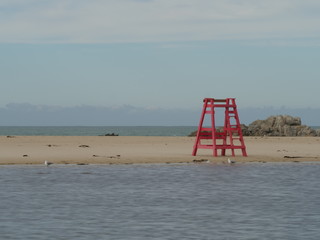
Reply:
x=101, y=130
x=205, y=201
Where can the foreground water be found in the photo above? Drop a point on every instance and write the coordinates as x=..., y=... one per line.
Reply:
x=205, y=201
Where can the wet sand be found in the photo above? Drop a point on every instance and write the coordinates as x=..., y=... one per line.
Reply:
x=131, y=150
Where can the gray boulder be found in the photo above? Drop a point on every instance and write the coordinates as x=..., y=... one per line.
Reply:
x=281, y=125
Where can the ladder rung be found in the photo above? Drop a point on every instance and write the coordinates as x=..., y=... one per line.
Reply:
x=228, y=147
x=204, y=134
x=220, y=105
x=206, y=129
x=219, y=146
x=233, y=129
x=220, y=137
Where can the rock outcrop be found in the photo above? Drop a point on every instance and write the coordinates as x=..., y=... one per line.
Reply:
x=281, y=125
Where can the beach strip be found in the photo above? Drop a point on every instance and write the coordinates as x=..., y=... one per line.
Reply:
x=144, y=149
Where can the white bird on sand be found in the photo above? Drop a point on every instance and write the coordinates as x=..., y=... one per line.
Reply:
x=47, y=163
x=231, y=161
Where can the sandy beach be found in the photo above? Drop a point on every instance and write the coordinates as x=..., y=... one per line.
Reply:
x=130, y=150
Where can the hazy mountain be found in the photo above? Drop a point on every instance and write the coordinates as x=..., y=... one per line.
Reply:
x=24, y=114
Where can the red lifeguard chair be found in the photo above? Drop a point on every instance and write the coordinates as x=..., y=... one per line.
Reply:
x=229, y=137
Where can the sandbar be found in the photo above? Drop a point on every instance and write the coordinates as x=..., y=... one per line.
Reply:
x=144, y=149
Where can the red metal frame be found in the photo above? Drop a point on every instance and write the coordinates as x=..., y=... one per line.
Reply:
x=228, y=137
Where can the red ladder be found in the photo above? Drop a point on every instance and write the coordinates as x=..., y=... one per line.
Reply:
x=230, y=137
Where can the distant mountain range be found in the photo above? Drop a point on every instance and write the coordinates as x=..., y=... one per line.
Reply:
x=25, y=114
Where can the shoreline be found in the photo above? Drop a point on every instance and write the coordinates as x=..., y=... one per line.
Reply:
x=147, y=150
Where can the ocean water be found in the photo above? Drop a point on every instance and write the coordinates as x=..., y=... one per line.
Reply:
x=95, y=131
x=99, y=130
x=190, y=201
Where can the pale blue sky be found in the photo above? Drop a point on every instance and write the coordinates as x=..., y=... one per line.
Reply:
x=160, y=53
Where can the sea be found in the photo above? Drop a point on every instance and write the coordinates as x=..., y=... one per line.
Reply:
x=157, y=201
x=99, y=130
x=96, y=130
x=161, y=201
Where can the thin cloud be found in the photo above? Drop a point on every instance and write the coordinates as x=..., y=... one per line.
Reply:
x=97, y=21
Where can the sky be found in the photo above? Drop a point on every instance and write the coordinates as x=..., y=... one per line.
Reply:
x=160, y=54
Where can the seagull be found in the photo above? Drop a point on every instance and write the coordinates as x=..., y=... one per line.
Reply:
x=47, y=163
x=231, y=161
